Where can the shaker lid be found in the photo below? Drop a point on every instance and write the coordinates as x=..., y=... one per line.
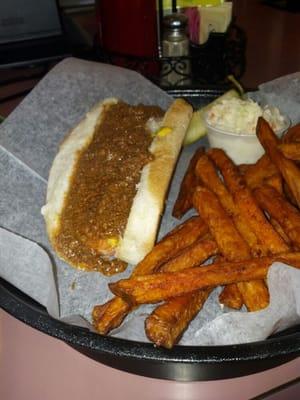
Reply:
x=175, y=21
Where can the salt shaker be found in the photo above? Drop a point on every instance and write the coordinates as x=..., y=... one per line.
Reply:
x=175, y=44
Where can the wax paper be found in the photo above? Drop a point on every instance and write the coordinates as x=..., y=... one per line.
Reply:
x=29, y=140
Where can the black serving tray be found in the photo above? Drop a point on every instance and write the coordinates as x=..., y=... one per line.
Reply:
x=182, y=363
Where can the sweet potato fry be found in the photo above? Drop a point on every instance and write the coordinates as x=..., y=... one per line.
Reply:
x=209, y=177
x=167, y=322
x=221, y=226
x=278, y=228
x=230, y=243
x=276, y=182
x=280, y=210
x=183, y=236
x=288, y=169
x=290, y=150
x=257, y=173
x=206, y=171
x=271, y=242
x=243, y=168
x=231, y=296
x=154, y=288
x=110, y=315
x=184, y=199
x=292, y=135
x=288, y=194
x=192, y=256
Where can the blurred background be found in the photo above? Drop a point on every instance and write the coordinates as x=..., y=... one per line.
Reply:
x=254, y=40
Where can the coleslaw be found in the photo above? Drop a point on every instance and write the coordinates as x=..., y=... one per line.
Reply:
x=240, y=116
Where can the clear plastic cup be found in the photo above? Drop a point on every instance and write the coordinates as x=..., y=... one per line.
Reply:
x=241, y=148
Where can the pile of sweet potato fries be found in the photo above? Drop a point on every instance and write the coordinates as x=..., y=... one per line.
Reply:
x=248, y=218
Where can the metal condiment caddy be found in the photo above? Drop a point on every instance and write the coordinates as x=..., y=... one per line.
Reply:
x=183, y=64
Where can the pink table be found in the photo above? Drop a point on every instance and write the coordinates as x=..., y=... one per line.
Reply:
x=35, y=366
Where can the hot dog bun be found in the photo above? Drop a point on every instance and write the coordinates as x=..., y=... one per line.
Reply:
x=147, y=206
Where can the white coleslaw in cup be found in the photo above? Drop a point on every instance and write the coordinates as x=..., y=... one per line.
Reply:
x=231, y=125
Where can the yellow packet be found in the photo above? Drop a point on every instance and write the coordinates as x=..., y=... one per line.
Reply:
x=167, y=4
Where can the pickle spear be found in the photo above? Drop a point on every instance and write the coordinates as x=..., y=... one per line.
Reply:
x=197, y=129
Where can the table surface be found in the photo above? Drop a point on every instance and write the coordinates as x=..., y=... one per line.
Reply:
x=35, y=366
